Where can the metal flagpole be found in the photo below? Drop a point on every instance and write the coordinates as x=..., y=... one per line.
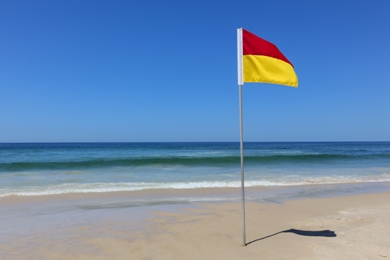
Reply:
x=240, y=83
x=242, y=170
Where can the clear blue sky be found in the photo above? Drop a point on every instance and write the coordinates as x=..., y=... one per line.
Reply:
x=137, y=71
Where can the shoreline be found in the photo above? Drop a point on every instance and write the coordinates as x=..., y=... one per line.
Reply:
x=230, y=193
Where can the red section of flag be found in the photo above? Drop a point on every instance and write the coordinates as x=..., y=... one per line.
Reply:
x=254, y=45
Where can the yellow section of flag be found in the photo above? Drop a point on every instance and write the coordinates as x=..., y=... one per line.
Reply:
x=265, y=69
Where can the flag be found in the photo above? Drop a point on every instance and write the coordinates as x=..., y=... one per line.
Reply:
x=261, y=61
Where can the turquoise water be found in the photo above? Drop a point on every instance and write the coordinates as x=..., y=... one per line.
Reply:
x=58, y=168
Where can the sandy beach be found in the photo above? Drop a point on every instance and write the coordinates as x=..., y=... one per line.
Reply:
x=344, y=227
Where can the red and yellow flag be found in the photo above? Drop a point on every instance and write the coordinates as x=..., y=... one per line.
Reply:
x=263, y=62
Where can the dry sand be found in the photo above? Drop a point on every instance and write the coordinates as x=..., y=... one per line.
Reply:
x=350, y=227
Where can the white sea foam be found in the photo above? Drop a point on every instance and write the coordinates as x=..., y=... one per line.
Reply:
x=128, y=186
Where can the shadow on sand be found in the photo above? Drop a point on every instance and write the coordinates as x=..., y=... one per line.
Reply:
x=320, y=233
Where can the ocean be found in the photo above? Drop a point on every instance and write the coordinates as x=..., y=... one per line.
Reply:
x=35, y=169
